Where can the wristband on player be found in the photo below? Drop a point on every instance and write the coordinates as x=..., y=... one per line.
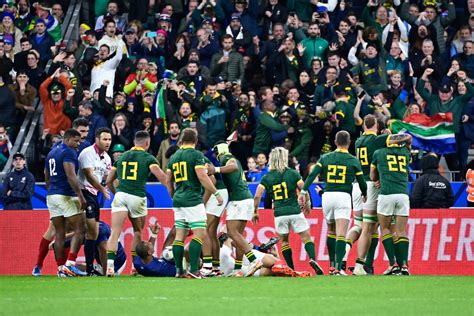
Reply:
x=152, y=235
x=217, y=169
x=217, y=194
x=303, y=192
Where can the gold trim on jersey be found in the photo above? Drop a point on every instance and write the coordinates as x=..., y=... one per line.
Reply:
x=187, y=147
x=137, y=148
x=370, y=133
x=342, y=150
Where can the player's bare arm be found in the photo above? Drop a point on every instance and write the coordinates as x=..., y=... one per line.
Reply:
x=170, y=182
x=374, y=174
x=154, y=230
x=69, y=169
x=158, y=173
x=256, y=202
x=46, y=178
x=111, y=180
x=399, y=138
x=307, y=206
x=207, y=184
x=89, y=173
x=230, y=166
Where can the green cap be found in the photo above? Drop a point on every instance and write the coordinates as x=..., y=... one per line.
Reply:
x=118, y=148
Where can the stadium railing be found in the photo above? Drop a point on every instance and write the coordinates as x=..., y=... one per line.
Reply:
x=28, y=129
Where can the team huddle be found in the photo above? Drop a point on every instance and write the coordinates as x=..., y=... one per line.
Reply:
x=375, y=185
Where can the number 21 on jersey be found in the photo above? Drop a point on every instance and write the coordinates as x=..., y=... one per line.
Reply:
x=180, y=171
x=280, y=191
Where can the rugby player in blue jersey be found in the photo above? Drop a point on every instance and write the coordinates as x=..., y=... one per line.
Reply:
x=148, y=265
x=65, y=200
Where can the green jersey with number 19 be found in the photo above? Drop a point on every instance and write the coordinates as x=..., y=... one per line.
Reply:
x=133, y=169
x=339, y=169
x=392, y=166
x=366, y=145
x=282, y=188
x=235, y=181
x=183, y=165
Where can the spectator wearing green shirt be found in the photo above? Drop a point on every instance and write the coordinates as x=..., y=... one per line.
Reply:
x=313, y=46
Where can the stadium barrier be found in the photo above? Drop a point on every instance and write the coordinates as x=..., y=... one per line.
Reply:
x=441, y=241
x=158, y=196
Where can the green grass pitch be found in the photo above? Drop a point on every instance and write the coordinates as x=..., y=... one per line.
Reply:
x=126, y=295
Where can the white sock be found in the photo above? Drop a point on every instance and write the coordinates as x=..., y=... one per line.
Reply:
x=70, y=263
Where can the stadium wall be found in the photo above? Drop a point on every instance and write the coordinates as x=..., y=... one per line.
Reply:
x=442, y=241
x=158, y=196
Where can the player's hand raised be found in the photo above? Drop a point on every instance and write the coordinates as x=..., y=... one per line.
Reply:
x=155, y=228
x=377, y=184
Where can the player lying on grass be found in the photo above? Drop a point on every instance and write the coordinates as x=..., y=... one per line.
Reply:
x=148, y=265
x=282, y=183
x=100, y=253
x=271, y=264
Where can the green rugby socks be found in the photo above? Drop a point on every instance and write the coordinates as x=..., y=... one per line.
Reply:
x=288, y=255
x=387, y=242
x=178, y=254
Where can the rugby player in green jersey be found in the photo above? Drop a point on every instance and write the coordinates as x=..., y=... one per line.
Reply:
x=366, y=213
x=240, y=207
x=282, y=183
x=187, y=169
x=132, y=169
x=211, y=263
x=338, y=169
x=390, y=166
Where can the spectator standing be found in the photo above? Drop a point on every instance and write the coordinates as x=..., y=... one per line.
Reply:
x=431, y=190
x=228, y=63
x=172, y=139
x=18, y=186
x=52, y=94
x=112, y=14
x=43, y=42
x=266, y=124
x=106, y=67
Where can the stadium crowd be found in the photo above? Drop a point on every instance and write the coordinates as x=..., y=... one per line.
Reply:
x=260, y=73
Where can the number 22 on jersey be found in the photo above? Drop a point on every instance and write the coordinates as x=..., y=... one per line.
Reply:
x=397, y=163
x=180, y=171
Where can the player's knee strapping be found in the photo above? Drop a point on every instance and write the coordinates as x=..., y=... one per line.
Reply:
x=358, y=221
x=370, y=218
x=181, y=224
x=197, y=225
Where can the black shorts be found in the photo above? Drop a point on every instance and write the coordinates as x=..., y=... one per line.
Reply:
x=92, y=208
